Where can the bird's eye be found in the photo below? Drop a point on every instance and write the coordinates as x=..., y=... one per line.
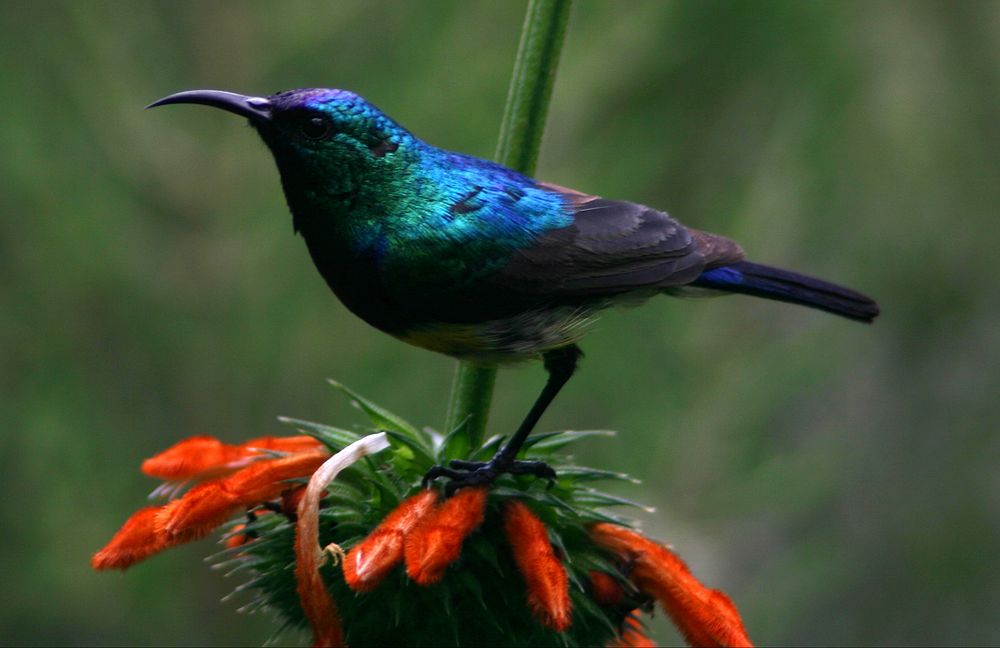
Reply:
x=315, y=127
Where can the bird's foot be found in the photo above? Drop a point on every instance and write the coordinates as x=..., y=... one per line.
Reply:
x=483, y=473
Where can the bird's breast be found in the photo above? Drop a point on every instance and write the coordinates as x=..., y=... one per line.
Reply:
x=509, y=339
x=356, y=280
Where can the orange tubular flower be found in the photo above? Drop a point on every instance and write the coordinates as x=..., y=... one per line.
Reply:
x=237, y=539
x=608, y=592
x=437, y=541
x=368, y=562
x=206, y=506
x=202, y=509
x=633, y=636
x=705, y=617
x=605, y=590
x=137, y=540
x=543, y=572
x=204, y=457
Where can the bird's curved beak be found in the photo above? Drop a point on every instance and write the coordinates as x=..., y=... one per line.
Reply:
x=257, y=109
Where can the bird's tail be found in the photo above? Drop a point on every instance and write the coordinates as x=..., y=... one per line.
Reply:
x=774, y=283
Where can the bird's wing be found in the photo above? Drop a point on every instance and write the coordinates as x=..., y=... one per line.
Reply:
x=613, y=247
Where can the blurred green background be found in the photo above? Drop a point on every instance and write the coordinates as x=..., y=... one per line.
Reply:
x=840, y=482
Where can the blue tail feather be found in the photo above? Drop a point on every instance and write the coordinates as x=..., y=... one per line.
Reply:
x=782, y=285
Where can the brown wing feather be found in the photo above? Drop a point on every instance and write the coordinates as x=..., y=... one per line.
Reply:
x=717, y=250
x=614, y=247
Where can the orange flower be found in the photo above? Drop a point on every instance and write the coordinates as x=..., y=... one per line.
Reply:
x=290, y=500
x=206, y=506
x=605, y=590
x=137, y=540
x=203, y=457
x=705, y=617
x=265, y=480
x=543, y=572
x=202, y=509
x=437, y=541
x=633, y=635
x=368, y=562
x=238, y=538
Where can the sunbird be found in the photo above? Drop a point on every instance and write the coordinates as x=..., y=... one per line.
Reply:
x=469, y=258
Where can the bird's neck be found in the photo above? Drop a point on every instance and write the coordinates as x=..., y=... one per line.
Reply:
x=341, y=220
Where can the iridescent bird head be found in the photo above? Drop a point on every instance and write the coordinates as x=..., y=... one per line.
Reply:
x=321, y=137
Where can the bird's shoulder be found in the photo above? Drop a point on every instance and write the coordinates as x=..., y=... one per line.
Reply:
x=467, y=206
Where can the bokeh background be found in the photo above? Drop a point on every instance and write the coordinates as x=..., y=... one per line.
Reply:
x=839, y=481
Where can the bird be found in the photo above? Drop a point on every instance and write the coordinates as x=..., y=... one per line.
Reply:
x=466, y=257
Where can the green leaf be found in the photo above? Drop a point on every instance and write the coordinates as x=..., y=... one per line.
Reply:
x=583, y=473
x=456, y=442
x=410, y=451
x=387, y=496
x=472, y=587
x=380, y=416
x=334, y=438
x=489, y=448
x=487, y=552
x=606, y=499
x=549, y=441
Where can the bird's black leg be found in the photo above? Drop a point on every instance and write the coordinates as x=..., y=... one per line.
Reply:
x=560, y=363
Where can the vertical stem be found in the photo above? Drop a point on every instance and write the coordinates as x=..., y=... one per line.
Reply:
x=531, y=85
x=471, y=393
x=520, y=138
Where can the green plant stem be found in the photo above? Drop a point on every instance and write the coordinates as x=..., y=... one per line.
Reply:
x=520, y=139
x=471, y=393
x=531, y=85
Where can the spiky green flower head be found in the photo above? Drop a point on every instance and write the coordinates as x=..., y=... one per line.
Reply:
x=482, y=599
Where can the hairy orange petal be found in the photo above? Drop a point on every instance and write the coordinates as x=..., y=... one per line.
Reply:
x=705, y=617
x=208, y=505
x=198, y=513
x=137, y=540
x=604, y=589
x=237, y=539
x=290, y=444
x=290, y=501
x=633, y=635
x=203, y=457
x=369, y=561
x=543, y=572
x=437, y=541
x=197, y=456
x=204, y=507
x=262, y=481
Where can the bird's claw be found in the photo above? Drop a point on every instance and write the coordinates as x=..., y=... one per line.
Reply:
x=483, y=473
